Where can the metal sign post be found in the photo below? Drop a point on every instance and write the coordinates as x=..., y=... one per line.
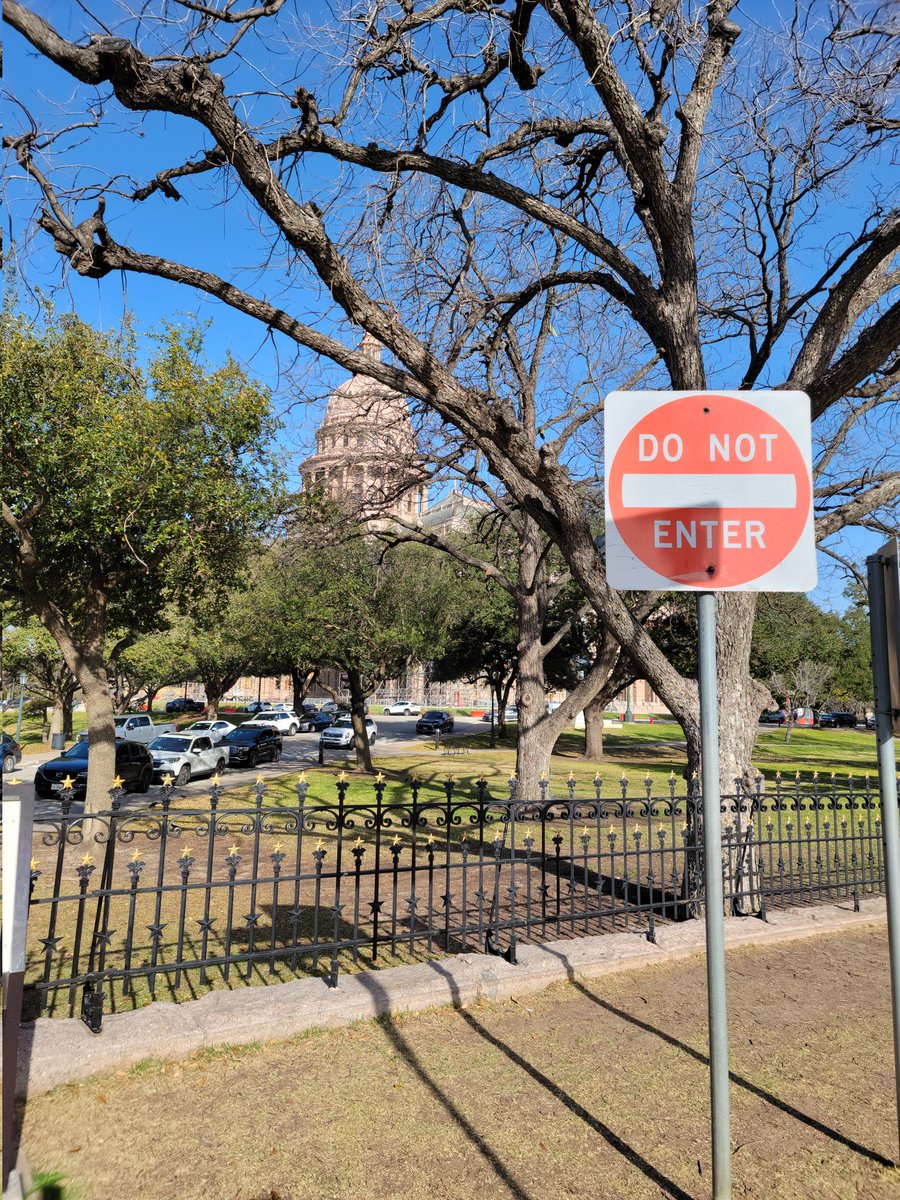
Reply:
x=706, y=492
x=884, y=617
x=715, y=907
x=18, y=820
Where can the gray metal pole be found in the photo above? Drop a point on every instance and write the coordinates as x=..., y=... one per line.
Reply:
x=887, y=780
x=715, y=919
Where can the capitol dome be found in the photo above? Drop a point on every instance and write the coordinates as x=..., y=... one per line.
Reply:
x=366, y=454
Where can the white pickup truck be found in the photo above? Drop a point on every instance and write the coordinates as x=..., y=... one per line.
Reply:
x=138, y=727
x=185, y=756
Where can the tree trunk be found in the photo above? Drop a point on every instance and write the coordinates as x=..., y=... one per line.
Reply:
x=593, y=729
x=533, y=747
x=152, y=691
x=98, y=704
x=213, y=700
x=56, y=720
x=68, y=700
x=358, y=716
x=302, y=679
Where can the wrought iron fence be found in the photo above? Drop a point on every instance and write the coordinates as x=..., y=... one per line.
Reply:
x=175, y=899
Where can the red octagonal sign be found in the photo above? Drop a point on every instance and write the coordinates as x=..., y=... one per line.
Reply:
x=709, y=491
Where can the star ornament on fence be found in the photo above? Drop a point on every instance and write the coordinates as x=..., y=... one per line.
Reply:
x=118, y=783
x=68, y=783
x=216, y=779
x=168, y=779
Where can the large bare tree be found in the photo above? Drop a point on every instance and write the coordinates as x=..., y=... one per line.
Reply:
x=693, y=182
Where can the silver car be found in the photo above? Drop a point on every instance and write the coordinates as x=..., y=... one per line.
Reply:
x=341, y=732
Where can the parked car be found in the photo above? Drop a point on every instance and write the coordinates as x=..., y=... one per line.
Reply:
x=134, y=766
x=777, y=717
x=837, y=720
x=137, y=727
x=341, y=732
x=308, y=709
x=281, y=719
x=258, y=706
x=330, y=706
x=248, y=746
x=216, y=729
x=435, y=720
x=870, y=720
x=12, y=753
x=185, y=704
x=403, y=708
x=315, y=722
x=185, y=757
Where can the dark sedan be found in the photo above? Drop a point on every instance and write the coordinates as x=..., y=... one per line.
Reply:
x=773, y=718
x=12, y=753
x=184, y=704
x=134, y=766
x=435, y=720
x=837, y=720
x=315, y=722
x=247, y=747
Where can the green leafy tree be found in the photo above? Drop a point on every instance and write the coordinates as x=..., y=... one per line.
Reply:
x=154, y=661
x=368, y=612
x=481, y=644
x=123, y=486
x=30, y=649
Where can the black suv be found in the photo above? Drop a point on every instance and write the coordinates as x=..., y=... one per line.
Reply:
x=436, y=719
x=247, y=747
x=837, y=720
x=134, y=766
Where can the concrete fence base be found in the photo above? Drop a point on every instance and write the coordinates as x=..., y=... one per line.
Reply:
x=64, y=1051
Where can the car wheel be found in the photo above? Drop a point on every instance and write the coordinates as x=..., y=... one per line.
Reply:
x=9, y=763
x=144, y=780
x=252, y=759
x=183, y=776
x=372, y=740
x=293, y=729
x=276, y=754
x=221, y=765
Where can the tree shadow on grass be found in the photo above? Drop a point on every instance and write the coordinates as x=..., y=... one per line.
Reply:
x=738, y=1080
x=481, y=1144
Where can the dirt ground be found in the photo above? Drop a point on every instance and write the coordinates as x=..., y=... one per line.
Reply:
x=593, y=1089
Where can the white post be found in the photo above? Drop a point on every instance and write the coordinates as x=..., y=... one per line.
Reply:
x=18, y=822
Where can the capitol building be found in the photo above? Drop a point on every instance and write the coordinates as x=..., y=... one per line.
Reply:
x=368, y=462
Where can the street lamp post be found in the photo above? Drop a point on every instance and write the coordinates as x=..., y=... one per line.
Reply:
x=629, y=715
x=23, y=679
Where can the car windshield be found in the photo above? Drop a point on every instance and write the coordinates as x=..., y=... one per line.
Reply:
x=200, y=725
x=242, y=735
x=435, y=714
x=79, y=750
x=343, y=723
x=177, y=744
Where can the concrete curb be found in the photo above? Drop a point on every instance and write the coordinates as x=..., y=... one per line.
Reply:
x=64, y=1051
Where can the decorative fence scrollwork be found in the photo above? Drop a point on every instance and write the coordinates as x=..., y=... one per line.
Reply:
x=171, y=899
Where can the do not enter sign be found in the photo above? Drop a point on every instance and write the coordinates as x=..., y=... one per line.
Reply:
x=709, y=491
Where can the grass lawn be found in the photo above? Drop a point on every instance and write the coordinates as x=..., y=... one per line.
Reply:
x=595, y=1088
x=632, y=753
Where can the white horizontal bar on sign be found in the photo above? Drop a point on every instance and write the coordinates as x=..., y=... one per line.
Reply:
x=709, y=491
